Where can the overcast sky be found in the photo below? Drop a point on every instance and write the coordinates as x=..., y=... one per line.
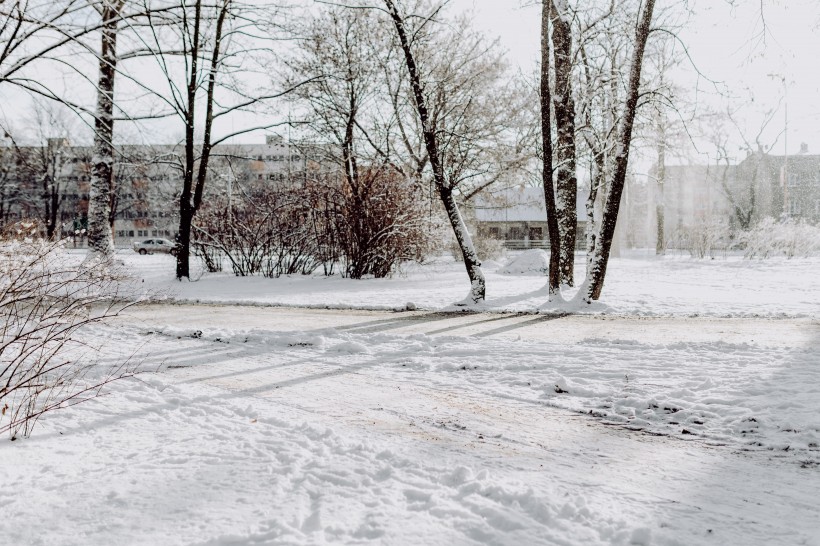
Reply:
x=727, y=44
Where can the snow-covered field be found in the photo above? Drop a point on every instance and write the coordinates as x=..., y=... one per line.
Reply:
x=637, y=285
x=265, y=425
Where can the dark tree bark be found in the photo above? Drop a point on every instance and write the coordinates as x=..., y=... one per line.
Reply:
x=596, y=274
x=554, y=276
x=52, y=190
x=193, y=182
x=52, y=207
x=566, y=178
x=471, y=262
x=100, y=238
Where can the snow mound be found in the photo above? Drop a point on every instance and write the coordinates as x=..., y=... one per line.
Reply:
x=531, y=262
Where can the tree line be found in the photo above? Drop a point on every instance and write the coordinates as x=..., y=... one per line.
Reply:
x=396, y=94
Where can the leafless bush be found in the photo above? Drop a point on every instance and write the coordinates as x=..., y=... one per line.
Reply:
x=299, y=227
x=46, y=300
x=704, y=238
x=263, y=232
x=381, y=223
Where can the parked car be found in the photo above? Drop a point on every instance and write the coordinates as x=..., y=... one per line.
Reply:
x=149, y=246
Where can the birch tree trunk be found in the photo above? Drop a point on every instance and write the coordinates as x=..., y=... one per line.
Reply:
x=660, y=243
x=465, y=243
x=100, y=238
x=554, y=276
x=595, y=276
x=566, y=178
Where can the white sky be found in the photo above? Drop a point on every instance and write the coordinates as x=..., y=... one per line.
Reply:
x=724, y=41
x=726, y=44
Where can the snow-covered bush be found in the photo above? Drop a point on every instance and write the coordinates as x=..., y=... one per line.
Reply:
x=46, y=300
x=789, y=238
x=704, y=238
x=317, y=223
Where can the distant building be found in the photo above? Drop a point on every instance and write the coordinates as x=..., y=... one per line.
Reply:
x=147, y=182
x=518, y=217
x=760, y=186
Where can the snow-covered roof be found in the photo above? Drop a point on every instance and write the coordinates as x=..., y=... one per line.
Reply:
x=518, y=205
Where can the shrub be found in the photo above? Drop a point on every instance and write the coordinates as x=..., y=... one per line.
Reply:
x=704, y=238
x=380, y=224
x=789, y=238
x=46, y=301
x=307, y=224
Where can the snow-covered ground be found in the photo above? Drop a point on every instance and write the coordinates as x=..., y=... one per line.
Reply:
x=273, y=425
x=361, y=434
x=636, y=285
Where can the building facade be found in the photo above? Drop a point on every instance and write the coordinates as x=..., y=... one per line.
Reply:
x=51, y=183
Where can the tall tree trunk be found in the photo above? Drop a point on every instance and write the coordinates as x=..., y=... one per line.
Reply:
x=554, y=275
x=566, y=178
x=597, y=181
x=186, y=217
x=595, y=276
x=660, y=244
x=187, y=208
x=465, y=243
x=54, y=206
x=193, y=185
x=100, y=237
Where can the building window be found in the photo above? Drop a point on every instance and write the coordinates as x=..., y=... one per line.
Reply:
x=794, y=207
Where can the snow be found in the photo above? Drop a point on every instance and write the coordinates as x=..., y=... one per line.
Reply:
x=357, y=434
x=531, y=262
x=635, y=285
x=633, y=423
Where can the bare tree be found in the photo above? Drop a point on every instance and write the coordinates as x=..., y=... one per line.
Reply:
x=601, y=46
x=595, y=275
x=565, y=153
x=749, y=194
x=35, y=31
x=452, y=78
x=100, y=238
x=554, y=280
x=210, y=57
x=40, y=166
x=10, y=193
x=337, y=48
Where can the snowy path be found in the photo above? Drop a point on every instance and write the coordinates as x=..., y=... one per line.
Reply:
x=279, y=426
x=789, y=332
